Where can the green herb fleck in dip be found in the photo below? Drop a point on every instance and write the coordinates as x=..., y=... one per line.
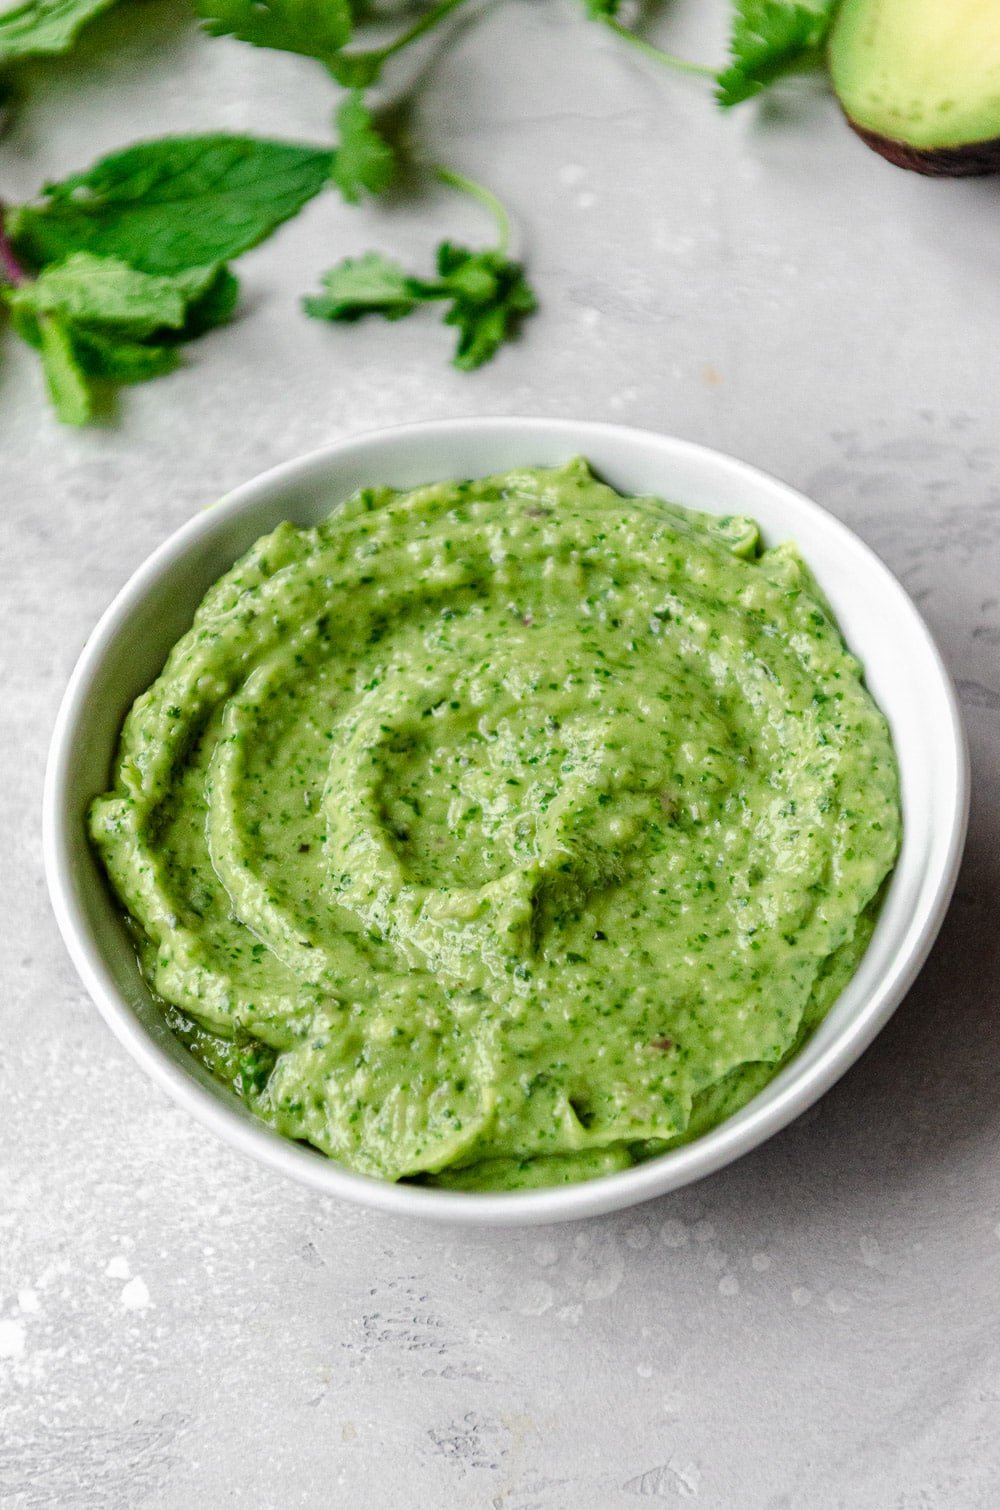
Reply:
x=503, y=833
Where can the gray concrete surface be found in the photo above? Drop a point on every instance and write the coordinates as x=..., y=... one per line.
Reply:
x=814, y=1329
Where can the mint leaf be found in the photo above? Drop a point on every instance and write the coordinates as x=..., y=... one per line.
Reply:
x=171, y=205
x=106, y=291
x=118, y=361
x=369, y=285
x=96, y=317
x=212, y=306
x=131, y=253
x=314, y=28
x=769, y=39
x=44, y=27
x=363, y=161
x=64, y=377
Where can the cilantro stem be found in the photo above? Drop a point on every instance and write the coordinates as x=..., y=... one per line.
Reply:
x=11, y=270
x=489, y=202
x=658, y=55
x=426, y=23
x=360, y=69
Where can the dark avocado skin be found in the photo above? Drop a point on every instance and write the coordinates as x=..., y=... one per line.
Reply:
x=972, y=161
x=919, y=81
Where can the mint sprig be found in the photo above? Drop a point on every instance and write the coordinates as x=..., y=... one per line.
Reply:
x=111, y=270
x=97, y=318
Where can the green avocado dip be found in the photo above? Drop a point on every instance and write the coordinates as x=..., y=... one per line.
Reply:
x=503, y=833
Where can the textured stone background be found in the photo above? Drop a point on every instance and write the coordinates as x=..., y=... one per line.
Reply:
x=817, y=1326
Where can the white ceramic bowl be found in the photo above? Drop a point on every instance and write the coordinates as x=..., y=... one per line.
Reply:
x=127, y=649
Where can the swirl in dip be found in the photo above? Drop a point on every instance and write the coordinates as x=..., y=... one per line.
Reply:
x=505, y=832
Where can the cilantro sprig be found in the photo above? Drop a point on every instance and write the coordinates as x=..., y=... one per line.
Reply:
x=486, y=292
x=769, y=39
x=358, y=70
x=312, y=28
x=364, y=162
x=109, y=272
x=319, y=29
x=607, y=12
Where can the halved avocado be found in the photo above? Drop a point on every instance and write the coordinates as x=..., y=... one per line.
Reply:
x=919, y=80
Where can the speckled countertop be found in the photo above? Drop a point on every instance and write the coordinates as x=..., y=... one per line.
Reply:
x=816, y=1327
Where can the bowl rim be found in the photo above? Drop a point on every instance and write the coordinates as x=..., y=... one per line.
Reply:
x=669, y=1171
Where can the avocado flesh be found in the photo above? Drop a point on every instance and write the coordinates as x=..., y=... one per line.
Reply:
x=920, y=80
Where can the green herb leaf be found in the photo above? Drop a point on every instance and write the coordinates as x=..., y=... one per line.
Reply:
x=64, y=377
x=96, y=317
x=600, y=10
x=213, y=306
x=118, y=361
x=38, y=28
x=360, y=69
x=168, y=206
x=255, y=1062
x=313, y=28
x=771, y=38
x=106, y=291
x=369, y=285
x=103, y=356
x=490, y=296
x=363, y=162
x=357, y=70
x=487, y=293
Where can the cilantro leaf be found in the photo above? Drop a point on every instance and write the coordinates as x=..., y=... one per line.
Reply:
x=357, y=70
x=170, y=205
x=771, y=38
x=487, y=293
x=43, y=27
x=316, y=29
x=369, y=285
x=363, y=162
x=490, y=295
x=313, y=28
x=96, y=317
